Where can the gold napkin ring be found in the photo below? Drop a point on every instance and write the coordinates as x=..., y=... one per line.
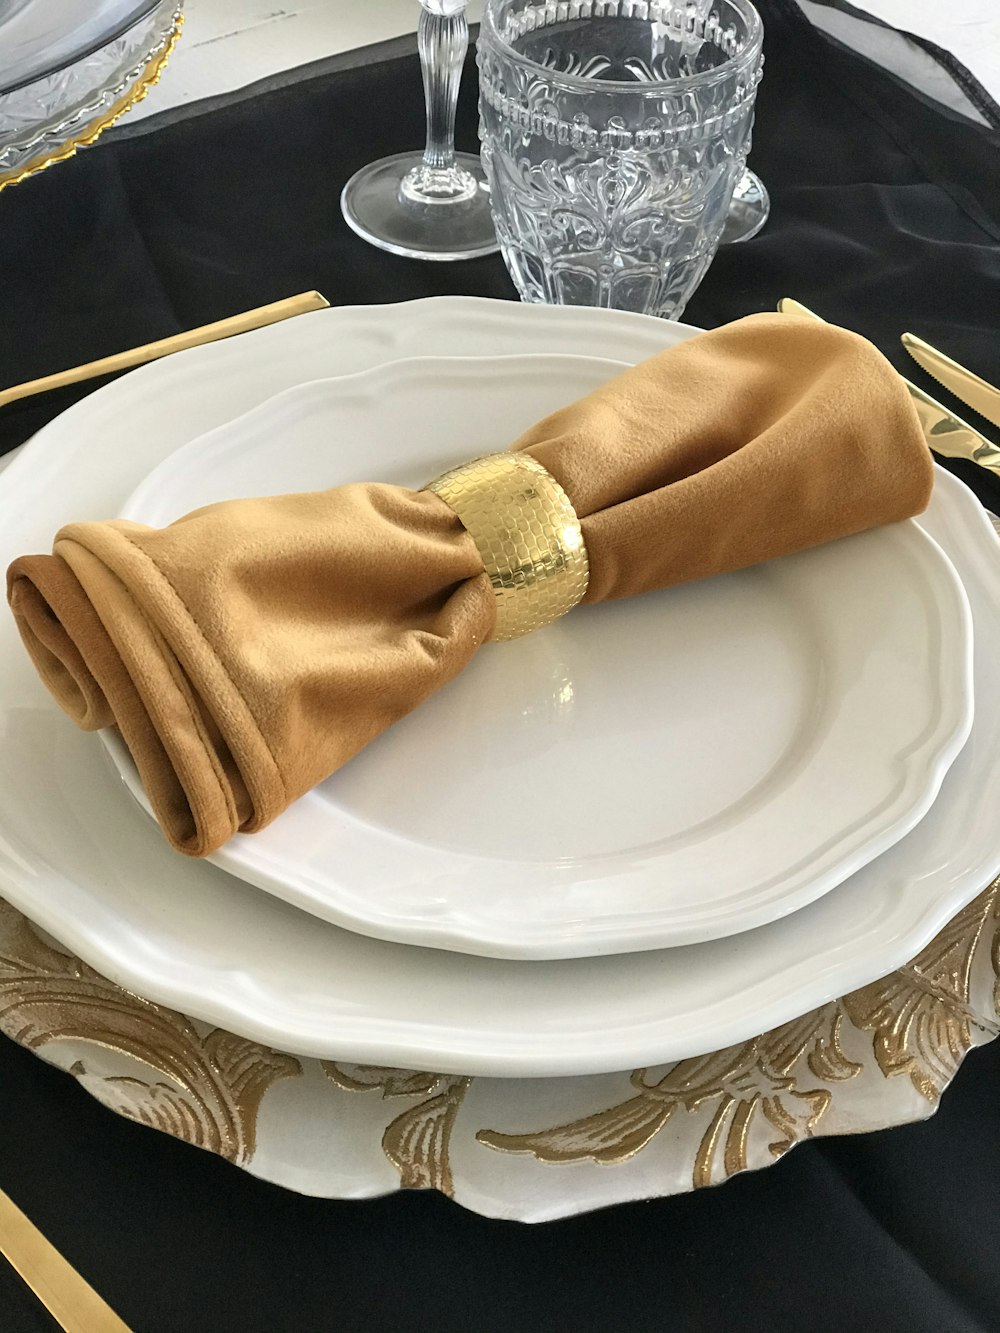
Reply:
x=528, y=535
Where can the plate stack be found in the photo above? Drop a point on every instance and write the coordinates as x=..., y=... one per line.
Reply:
x=631, y=905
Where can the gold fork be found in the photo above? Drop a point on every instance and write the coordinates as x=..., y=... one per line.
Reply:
x=178, y=342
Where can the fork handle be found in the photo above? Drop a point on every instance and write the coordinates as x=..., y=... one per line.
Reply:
x=72, y=1302
x=178, y=342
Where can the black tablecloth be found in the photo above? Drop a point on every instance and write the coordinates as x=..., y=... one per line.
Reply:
x=886, y=215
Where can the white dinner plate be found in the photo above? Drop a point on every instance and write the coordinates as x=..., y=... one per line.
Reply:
x=74, y=857
x=712, y=757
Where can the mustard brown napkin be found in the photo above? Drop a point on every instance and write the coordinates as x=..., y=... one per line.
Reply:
x=251, y=648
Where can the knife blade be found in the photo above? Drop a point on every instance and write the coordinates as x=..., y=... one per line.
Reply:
x=944, y=432
x=973, y=391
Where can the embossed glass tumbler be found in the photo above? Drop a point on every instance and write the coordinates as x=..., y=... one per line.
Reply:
x=613, y=135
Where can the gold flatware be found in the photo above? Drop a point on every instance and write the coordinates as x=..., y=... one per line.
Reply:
x=72, y=1302
x=945, y=433
x=178, y=342
x=975, y=392
x=788, y=306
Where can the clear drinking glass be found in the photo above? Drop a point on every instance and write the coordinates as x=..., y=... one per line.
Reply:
x=614, y=133
x=433, y=205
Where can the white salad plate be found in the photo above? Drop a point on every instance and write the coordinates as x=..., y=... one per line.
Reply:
x=74, y=857
x=655, y=772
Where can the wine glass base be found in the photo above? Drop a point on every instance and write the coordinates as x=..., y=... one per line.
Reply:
x=443, y=228
x=749, y=210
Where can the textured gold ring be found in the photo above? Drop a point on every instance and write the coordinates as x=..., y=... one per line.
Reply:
x=528, y=535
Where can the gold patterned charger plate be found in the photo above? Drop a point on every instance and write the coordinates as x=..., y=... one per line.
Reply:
x=530, y=1150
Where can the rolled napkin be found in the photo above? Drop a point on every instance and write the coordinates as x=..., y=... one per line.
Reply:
x=251, y=648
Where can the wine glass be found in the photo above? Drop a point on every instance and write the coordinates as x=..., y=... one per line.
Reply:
x=434, y=205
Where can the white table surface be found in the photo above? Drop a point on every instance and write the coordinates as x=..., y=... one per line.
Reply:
x=969, y=29
x=228, y=44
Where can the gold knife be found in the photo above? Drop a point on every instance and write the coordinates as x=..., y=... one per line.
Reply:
x=178, y=342
x=975, y=392
x=72, y=1302
x=944, y=432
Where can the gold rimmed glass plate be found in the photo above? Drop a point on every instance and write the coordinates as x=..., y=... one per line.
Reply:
x=46, y=119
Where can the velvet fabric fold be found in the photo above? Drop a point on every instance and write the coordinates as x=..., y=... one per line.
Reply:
x=251, y=648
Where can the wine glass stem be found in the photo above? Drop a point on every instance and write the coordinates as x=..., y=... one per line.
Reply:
x=442, y=40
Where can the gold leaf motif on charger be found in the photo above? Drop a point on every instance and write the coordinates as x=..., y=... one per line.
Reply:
x=418, y=1141
x=209, y=1086
x=920, y=1016
x=920, y=1024
x=774, y=1091
x=737, y=1086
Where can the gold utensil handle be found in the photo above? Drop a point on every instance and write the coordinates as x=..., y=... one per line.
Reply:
x=787, y=306
x=944, y=432
x=178, y=342
x=72, y=1302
